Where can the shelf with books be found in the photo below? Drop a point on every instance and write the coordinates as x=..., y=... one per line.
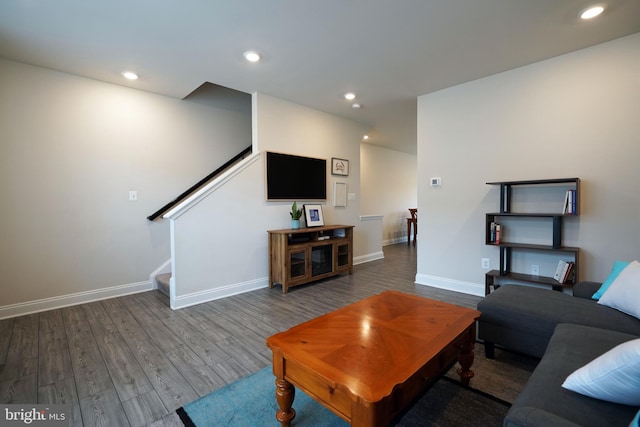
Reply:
x=521, y=277
x=495, y=230
x=496, y=234
x=572, y=188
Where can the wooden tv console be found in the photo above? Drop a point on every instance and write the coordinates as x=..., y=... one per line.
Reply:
x=303, y=255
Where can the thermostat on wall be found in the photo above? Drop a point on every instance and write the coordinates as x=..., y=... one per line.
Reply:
x=436, y=182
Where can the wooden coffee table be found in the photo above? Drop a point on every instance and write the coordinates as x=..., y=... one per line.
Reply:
x=368, y=361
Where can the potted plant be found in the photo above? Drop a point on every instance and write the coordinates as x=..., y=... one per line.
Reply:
x=295, y=216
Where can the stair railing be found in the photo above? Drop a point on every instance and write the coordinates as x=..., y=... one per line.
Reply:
x=200, y=183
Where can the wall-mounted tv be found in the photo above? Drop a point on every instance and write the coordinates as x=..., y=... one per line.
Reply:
x=292, y=177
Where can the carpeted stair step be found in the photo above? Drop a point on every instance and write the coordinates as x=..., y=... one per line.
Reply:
x=163, y=282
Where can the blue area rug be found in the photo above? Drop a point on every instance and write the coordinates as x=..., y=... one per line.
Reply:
x=251, y=402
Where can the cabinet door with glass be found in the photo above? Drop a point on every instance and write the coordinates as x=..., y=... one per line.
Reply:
x=321, y=260
x=298, y=267
x=343, y=256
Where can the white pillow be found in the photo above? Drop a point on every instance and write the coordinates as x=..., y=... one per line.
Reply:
x=624, y=292
x=614, y=376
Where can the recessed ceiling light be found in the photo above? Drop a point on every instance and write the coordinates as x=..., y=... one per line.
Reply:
x=592, y=11
x=252, y=56
x=350, y=96
x=130, y=75
x=356, y=106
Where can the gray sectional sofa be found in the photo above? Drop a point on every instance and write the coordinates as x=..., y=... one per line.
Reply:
x=566, y=332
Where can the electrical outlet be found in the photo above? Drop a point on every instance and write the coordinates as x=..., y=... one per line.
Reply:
x=486, y=263
x=133, y=195
x=535, y=270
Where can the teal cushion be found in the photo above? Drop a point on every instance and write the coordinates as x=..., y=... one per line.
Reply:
x=636, y=421
x=618, y=266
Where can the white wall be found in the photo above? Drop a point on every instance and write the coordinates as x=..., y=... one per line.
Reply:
x=221, y=243
x=70, y=150
x=389, y=188
x=574, y=115
x=73, y=148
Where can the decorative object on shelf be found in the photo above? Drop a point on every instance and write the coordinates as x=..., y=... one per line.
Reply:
x=313, y=215
x=295, y=216
x=339, y=166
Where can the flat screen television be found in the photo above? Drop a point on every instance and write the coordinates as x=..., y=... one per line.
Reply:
x=292, y=177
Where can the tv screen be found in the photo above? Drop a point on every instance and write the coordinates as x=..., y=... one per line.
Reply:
x=295, y=177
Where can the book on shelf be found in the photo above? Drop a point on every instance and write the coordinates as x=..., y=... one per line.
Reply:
x=570, y=273
x=569, y=207
x=564, y=271
x=494, y=233
x=560, y=270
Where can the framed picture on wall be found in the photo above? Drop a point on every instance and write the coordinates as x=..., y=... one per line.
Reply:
x=313, y=215
x=339, y=194
x=339, y=166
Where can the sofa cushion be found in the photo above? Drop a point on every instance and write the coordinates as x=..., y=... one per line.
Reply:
x=523, y=318
x=570, y=347
x=614, y=376
x=618, y=266
x=528, y=416
x=624, y=292
x=585, y=289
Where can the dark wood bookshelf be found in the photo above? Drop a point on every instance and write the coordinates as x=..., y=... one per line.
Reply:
x=494, y=277
x=536, y=181
x=536, y=247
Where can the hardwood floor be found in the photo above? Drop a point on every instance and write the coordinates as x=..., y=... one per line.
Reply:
x=130, y=360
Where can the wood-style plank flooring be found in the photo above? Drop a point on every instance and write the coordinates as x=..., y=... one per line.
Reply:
x=130, y=360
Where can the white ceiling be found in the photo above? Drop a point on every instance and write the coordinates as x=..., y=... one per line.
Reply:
x=386, y=51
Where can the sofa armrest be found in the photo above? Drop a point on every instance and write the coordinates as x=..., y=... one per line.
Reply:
x=585, y=289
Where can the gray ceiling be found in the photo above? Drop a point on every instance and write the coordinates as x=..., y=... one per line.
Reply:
x=386, y=51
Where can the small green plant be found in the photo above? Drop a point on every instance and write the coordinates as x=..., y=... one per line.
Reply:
x=295, y=212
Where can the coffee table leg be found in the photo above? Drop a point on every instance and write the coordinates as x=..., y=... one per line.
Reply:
x=285, y=393
x=465, y=358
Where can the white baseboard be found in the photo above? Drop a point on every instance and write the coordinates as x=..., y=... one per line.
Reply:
x=30, y=307
x=395, y=241
x=178, y=302
x=182, y=301
x=45, y=304
x=450, y=284
x=367, y=258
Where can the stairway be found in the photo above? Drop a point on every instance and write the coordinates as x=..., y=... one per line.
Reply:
x=163, y=282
